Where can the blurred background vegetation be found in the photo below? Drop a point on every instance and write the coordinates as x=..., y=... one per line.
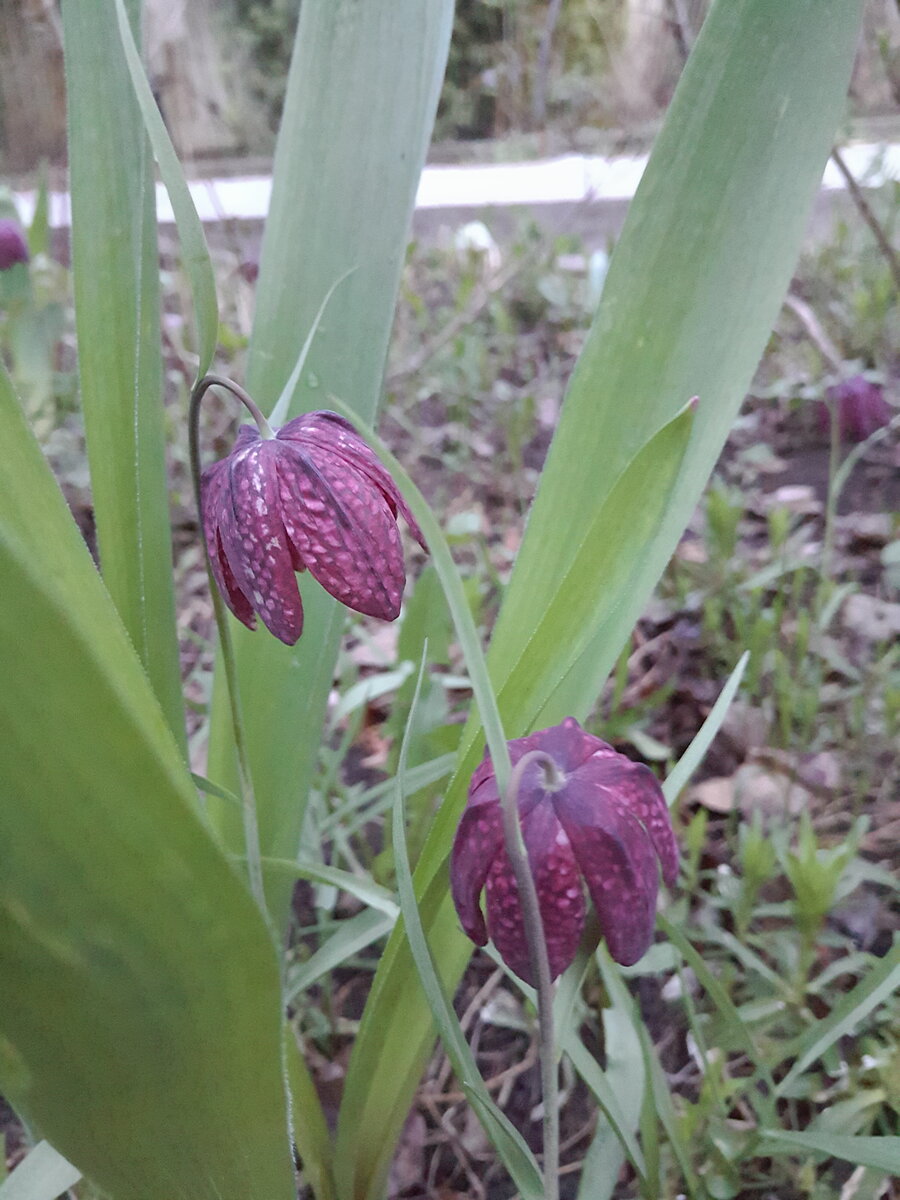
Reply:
x=562, y=71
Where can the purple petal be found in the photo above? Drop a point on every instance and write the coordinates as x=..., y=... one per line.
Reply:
x=257, y=550
x=327, y=432
x=560, y=897
x=479, y=836
x=342, y=529
x=619, y=865
x=13, y=247
x=567, y=744
x=213, y=493
x=636, y=787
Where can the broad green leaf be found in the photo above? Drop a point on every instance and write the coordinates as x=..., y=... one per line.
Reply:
x=361, y=98
x=693, y=288
x=194, y=250
x=42, y=1175
x=116, y=279
x=881, y=1153
x=311, y=1135
x=140, y=1015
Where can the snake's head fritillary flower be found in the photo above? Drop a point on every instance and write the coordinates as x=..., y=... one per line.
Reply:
x=312, y=497
x=13, y=247
x=603, y=824
x=861, y=408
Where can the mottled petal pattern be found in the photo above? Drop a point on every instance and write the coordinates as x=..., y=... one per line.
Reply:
x=335, y=435
x=343, y=532
x=602, y=822
x=313, y=498
x=636, y=786
x=479, y=837
x=619, y=865
x=266, y=572
x=560, y=896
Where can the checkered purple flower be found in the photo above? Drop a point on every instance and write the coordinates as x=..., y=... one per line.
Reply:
x=13, y=247
x=313, y=497
x=606, y=825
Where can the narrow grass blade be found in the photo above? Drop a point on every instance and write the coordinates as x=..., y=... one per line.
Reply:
x=716, y=992
x=42, y=1175
x=140, y=1002
x=116, y=279
x=194, y=250
x=352, y=936
x=696, y=751
x=668, y=1118
x=363, y=889
x=878, y=985
x=880, y=1153
x=362, y=93
x=515, y=1154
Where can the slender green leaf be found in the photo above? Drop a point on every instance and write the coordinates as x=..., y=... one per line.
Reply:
x=877, y=986
x=42, y=1175
x=116, y=280
x=696, y=751
x=665, y=1108
x=362, y=887
x=881, y=1153
x=716, y=992
x=359, y=809
x=140, y=1004
x=194, y=250
x=39, y=229
x=361, y=98
x=282, y=405
x=352, y=936
x=693, y=289
x=509, y=1143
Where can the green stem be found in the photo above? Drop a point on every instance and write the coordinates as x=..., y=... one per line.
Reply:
x=537, y=953
x=208, y=381
x=248, y=797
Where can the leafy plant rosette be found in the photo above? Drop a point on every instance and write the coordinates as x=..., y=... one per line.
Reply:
x=142, y=910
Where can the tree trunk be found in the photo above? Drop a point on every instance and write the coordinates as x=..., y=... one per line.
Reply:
x=188, y=77
x=32, y=88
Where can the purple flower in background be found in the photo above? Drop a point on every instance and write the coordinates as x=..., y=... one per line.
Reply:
x=313, y=497
x=13, y=247
x=861, y=408
x=606, y=823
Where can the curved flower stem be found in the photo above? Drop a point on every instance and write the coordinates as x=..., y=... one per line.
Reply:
x=208, y=381
x=537, y=953
x=248, y=797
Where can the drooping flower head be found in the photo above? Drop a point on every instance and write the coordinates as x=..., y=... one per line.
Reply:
x=604, y=824
x=313, y=497
x=13, y=247
x=861, y=408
